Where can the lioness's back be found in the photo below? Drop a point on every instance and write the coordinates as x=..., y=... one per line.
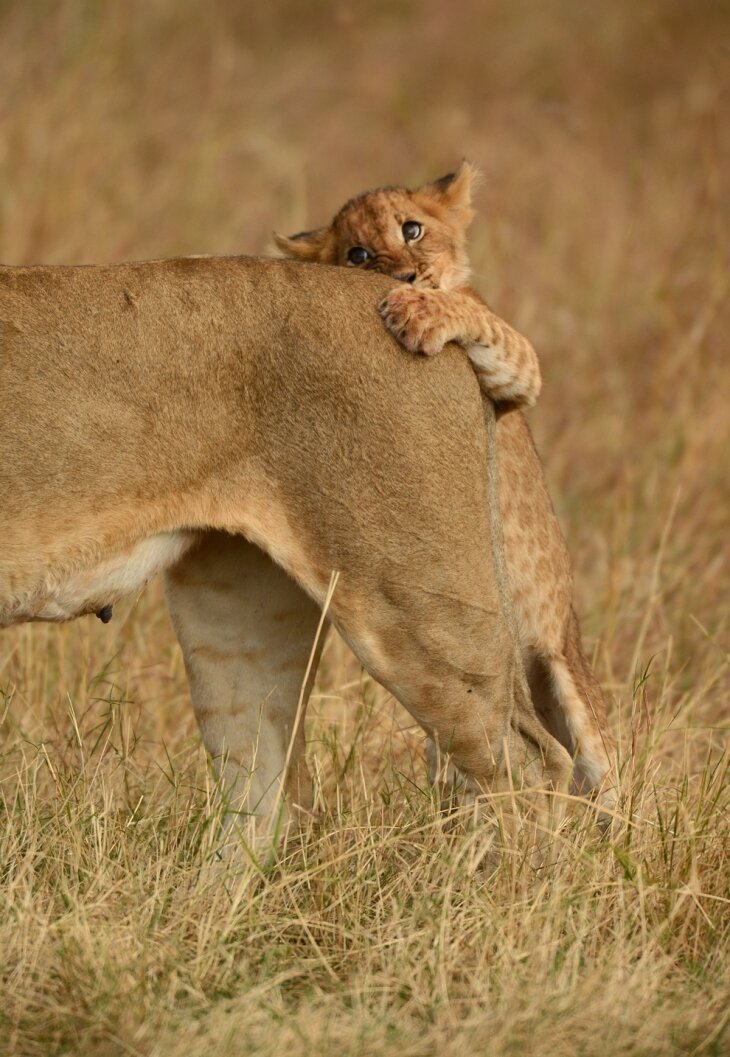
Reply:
x=101, y=368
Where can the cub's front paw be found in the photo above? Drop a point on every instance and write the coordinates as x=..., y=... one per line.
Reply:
x=417, y=319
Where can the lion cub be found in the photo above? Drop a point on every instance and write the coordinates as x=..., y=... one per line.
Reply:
x=419, y=238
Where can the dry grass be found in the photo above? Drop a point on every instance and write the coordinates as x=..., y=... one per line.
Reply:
x=145, y=129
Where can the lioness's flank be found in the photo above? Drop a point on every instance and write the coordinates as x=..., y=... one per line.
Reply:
x=170, y=415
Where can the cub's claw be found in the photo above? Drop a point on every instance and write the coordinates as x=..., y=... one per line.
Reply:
x=416, y=319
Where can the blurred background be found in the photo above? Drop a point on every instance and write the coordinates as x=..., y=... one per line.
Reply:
x=148, y=128
x=160, y=127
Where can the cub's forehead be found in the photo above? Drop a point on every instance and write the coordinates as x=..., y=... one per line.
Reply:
x=375, y=215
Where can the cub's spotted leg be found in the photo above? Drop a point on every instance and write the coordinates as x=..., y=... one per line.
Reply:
x=246, y=632
x=584, y=707
x=505, y=362
x=569, y=702
x=565, y=690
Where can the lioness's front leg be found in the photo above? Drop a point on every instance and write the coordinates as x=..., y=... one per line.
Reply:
x=505, y=362
x=246, y=632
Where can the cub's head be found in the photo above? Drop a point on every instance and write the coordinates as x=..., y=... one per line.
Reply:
x=416, y=236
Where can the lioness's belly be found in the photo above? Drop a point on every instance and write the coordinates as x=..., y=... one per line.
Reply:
x=90, y=590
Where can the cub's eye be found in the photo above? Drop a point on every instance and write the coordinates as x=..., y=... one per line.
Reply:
x=357, y=255
x=412, y=230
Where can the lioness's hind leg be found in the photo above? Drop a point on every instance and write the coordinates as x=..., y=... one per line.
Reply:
x=246, y=632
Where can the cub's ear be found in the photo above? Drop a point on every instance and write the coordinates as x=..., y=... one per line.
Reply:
x=454, y=191
x=306, y=246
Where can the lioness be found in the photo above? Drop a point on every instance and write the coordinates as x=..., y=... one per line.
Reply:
x=158, y=415
x=419, y=237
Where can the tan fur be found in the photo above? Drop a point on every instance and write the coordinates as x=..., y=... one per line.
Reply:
x=159, y=415
x=436, y=306
x=439, y=308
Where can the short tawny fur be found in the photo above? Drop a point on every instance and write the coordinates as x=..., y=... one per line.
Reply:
x=176, y=416
x=432, y=307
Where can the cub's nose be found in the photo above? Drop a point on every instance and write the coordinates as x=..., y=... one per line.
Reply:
x=406, y=277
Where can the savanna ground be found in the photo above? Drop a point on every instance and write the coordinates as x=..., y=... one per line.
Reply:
x=153, y=128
